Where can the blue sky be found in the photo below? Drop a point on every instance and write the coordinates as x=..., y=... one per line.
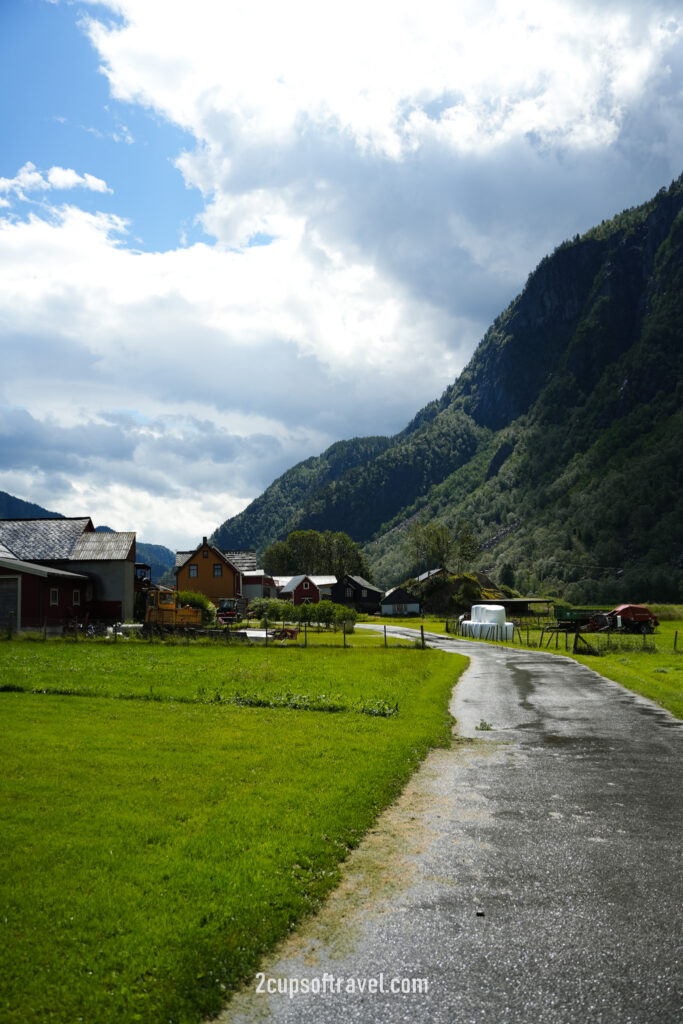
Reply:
x=66, y=116
x=233, y=234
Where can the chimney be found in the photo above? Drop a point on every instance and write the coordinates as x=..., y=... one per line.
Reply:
x=204, y=541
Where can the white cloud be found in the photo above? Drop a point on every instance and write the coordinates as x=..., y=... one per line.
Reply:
x=28, y=179
x=405, y=165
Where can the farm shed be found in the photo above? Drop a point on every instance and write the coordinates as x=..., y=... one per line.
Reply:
x=104, y=559
x=305, y=589
x=33, y=596
x=398, y=601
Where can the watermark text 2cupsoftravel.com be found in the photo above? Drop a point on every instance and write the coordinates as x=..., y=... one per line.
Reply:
x=335, y=984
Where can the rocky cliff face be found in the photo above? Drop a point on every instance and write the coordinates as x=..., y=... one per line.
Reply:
x=582, y=309
x=573, y=387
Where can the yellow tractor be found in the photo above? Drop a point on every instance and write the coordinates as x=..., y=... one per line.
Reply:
x=163, y=610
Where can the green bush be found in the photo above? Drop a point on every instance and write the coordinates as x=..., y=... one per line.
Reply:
x=195, y=600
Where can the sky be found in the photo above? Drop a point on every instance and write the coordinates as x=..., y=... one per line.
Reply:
x=232, y=233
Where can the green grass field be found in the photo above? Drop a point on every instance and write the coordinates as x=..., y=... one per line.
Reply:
x=157, y=838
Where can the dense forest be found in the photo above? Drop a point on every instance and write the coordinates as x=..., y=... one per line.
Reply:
x=561, y=442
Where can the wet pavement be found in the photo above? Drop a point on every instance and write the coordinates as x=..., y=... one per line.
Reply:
x=531, y=874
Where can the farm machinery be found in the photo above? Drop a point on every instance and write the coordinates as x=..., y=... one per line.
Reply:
x=164, y=611
x=625, y=618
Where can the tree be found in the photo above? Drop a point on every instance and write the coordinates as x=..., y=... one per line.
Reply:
x=507, y=575
x=276, y=559
x=433, y=545
x=311, y=552
x=467, y=546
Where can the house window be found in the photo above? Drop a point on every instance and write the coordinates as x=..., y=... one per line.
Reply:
x=205, y=553
x=76, y=598
x=349, y=591
x=306, y=585
x=364, y=592
x=218, y=570
x=193, y=572
x=54, y=596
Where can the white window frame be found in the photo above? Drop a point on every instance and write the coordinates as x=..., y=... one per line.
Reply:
x=76, y=598
x=54, y=597
x=194, y=571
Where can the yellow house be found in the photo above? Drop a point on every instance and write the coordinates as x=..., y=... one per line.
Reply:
x=206, y=570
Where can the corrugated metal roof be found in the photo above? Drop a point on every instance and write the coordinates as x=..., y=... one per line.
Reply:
x=103, y=547
x=42, y=539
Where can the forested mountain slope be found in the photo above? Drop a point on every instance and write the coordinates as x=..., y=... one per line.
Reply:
x=561, y=441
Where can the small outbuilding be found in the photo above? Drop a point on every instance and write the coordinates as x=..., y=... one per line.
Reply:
x=398, y=601
x=304, y=589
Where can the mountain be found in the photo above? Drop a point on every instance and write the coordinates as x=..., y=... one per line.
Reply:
x=16, y=508
x=158, y=557
x=561, y=442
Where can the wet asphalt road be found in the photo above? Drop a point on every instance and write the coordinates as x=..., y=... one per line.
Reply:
x=529, y=875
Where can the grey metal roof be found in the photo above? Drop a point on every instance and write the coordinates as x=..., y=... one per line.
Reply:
x=292, y=583
x=400, y=590
x=42, y=539
x=360, y=582
x=103, y=547
x=245, y=561
x=5, y=551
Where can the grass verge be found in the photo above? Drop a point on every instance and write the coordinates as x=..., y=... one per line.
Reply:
x=657, y=674
x=155, y=846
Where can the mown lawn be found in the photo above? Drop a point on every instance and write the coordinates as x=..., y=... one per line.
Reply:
x=157, y=839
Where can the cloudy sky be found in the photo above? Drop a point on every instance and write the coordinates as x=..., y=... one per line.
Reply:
x=232, y=233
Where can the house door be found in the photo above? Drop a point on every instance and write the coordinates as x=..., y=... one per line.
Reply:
x=9, y=601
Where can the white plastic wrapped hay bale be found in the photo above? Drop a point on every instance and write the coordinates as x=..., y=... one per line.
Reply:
x=487, y=622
